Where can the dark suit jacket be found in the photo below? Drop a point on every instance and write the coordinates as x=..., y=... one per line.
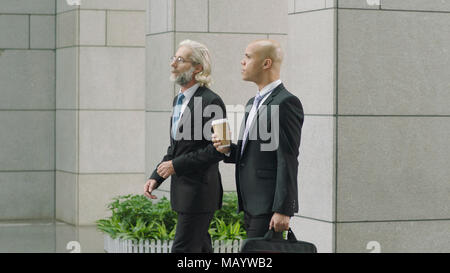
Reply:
x=196, y=186
x=266, y=177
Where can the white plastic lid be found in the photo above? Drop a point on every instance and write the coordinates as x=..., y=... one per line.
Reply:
x=219, y=121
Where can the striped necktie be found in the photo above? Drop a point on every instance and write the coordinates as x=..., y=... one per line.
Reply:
x=177, y=114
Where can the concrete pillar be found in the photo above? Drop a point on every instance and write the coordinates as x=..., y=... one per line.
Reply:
x=27, y=109
x=100, y=101
x=374, y=79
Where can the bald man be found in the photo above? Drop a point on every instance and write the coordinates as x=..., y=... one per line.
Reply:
x=266, y=155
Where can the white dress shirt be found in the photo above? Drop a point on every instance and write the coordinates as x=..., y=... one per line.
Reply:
x=188, y=93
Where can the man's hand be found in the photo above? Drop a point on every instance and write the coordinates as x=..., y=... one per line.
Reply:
x=149, y=187
x=217, y=143
x=280, y=222
x=165, y=169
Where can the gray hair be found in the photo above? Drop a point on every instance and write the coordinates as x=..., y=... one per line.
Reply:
x=200, y=55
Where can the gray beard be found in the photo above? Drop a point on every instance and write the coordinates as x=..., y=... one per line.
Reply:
x=183, y=78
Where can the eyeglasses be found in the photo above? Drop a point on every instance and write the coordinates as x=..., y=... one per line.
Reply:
x=178, y=60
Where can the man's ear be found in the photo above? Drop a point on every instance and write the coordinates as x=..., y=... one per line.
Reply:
x=267, y=63
x=198, y=68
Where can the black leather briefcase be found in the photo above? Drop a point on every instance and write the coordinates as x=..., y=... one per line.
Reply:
x=267, y=244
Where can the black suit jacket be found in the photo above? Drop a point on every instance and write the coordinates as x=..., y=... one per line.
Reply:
x=196, y=186
x=266, y=175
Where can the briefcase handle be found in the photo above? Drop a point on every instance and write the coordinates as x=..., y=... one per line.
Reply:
x=290, y=236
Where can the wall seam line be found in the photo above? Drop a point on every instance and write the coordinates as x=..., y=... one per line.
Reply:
x=55, y=128
x=336, y=58
x=77, y=153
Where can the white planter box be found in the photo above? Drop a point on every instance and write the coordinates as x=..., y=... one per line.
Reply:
x=157, y=246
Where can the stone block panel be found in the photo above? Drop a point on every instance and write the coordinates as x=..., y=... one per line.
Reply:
x=393, y=63
x=393, y=168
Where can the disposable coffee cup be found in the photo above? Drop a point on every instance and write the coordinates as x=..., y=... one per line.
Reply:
x=222, y=130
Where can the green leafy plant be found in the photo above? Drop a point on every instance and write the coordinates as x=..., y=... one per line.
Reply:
x=134, y=217
x=227, y=224
x=223, y=231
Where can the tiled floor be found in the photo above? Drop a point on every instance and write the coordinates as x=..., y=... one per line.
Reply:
x=48, y=237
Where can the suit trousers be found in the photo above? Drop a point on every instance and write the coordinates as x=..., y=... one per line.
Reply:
x=191, y=235
x=257, y=226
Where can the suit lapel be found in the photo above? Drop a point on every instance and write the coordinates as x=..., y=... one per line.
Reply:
x=263, y=111
x=242, y=129
x=272, y=95
x=170, y=124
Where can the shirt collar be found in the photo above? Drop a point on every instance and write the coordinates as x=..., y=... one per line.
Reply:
x=188, y=93
x=269, y=88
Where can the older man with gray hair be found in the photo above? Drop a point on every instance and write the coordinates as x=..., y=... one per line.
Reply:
x=191, y=159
